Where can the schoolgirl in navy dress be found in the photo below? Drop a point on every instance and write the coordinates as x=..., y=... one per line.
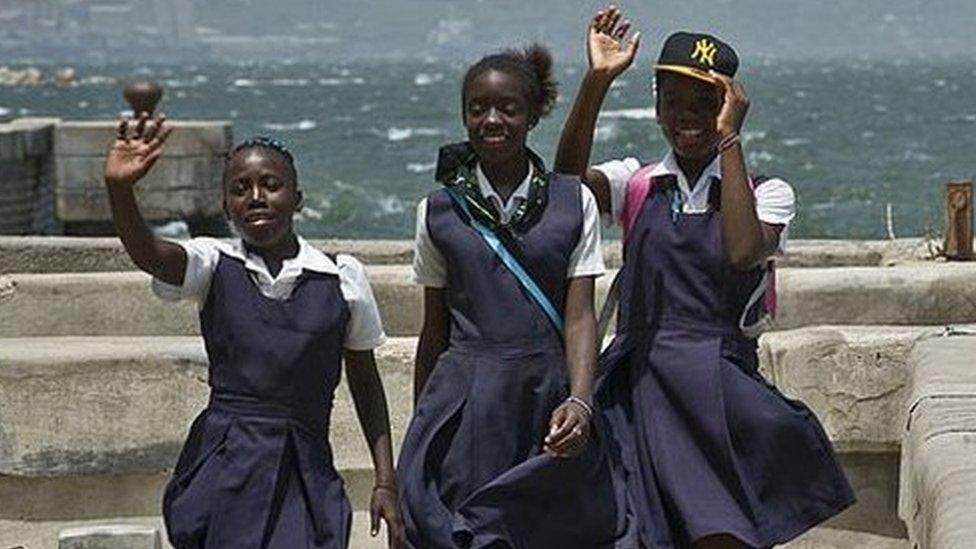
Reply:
x=713, y=455
x=277, y=317
x=501, y=451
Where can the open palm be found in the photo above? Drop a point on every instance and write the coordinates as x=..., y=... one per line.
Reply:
x=606, y=48
x=135, y=151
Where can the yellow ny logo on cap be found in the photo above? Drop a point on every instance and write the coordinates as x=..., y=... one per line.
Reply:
x=704, y=52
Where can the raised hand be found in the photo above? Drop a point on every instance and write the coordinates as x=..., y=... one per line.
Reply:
x=605, y=47
x=135, y=149
x=735, y=105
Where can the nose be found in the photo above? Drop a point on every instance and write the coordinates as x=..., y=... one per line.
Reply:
x=256, y=195
x=494, y=116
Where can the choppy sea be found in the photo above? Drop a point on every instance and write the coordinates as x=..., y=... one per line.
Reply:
x=851, y=136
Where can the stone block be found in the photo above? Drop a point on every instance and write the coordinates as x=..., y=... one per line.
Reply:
x=122, y=405
x=110, y=536
x=919, y=294
x=185, y=183
x=189, y=137
x=938, y=461
x=855, y=378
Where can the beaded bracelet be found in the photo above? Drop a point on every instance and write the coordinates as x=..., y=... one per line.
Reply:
x=728, y=141
x=582, y=404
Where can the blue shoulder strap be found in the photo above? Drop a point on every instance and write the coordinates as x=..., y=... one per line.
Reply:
x=509, y=260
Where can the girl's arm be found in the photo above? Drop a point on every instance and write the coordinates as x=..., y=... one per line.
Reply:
x=569, y=426
x=747, y=241
x=608, y=57
x=130, y=157
x=433, y=337
x=371, y=408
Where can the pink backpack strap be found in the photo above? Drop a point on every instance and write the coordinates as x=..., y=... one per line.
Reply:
x=638, y=187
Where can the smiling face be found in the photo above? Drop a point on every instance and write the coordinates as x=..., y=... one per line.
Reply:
x=260, y=196
x=687, y=109
x=497, y=115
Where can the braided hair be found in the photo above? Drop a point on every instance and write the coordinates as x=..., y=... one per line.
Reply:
x=533, y=65
x=266, y=143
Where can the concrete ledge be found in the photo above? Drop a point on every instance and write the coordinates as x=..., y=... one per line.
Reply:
x=95, y=406
x=855, y=378
x=921, y=294
x=938, y=465
x=46, y=254
x=121, y=303
x=110, y=536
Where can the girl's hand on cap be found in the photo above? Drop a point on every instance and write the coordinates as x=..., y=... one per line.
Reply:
x=735, y=105
x=135, y=149
x=606, y=49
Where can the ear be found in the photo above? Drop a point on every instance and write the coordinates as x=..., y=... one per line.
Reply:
x=299, y=200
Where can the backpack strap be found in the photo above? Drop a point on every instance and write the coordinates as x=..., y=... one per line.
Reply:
x=638, y=187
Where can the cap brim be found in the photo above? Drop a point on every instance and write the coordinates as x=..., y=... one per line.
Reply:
x=688, y=71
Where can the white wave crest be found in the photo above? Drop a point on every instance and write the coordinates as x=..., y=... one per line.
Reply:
x=646, y=113
x=244, y=83
x=301, y=125
x=421, y=167
x=358, y=81
x=402, y=134
x=289, y=82
x=424, y=79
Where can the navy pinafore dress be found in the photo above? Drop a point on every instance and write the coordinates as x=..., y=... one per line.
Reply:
x=472, y=469
x=706, y=445
x=256, y=470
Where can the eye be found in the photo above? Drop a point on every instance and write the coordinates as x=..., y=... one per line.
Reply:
x=271, y=182
x=239, y=187
x=511, y=108
x=476, y=108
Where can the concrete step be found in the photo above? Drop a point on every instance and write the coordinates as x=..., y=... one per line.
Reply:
x=92, y=424
x=49, y=254
x=122, y=405
x=121, y=303
x=938, y=460
x=45, y=534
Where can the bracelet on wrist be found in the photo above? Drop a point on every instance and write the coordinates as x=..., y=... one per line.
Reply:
x=587, y=408
x=379, y=486
x=728, y=142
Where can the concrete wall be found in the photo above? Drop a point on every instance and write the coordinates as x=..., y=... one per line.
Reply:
x=184, y=183
x=27, y=176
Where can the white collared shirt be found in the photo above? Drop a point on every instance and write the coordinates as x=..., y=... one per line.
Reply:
x=504, y=209
x=430, y=267
x=364, y=330
x=775, y=201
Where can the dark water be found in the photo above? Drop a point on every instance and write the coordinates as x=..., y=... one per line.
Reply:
x=850, y=136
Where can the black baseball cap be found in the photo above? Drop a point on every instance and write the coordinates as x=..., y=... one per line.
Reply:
x=694, y=54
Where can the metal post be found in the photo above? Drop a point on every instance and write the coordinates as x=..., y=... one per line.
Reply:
x=959, y=220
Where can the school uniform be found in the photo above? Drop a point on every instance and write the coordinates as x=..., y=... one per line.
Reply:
x=706, y=445
x=256, y=469
x=472, y=469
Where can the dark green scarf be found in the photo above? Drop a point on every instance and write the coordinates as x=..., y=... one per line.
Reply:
x=456, y=166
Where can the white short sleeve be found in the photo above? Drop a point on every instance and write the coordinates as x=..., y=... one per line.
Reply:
x=364, y=332
x=429, y=265
x=618, y=173
x=587, y=257
x=202, y=255
x=776, y=205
